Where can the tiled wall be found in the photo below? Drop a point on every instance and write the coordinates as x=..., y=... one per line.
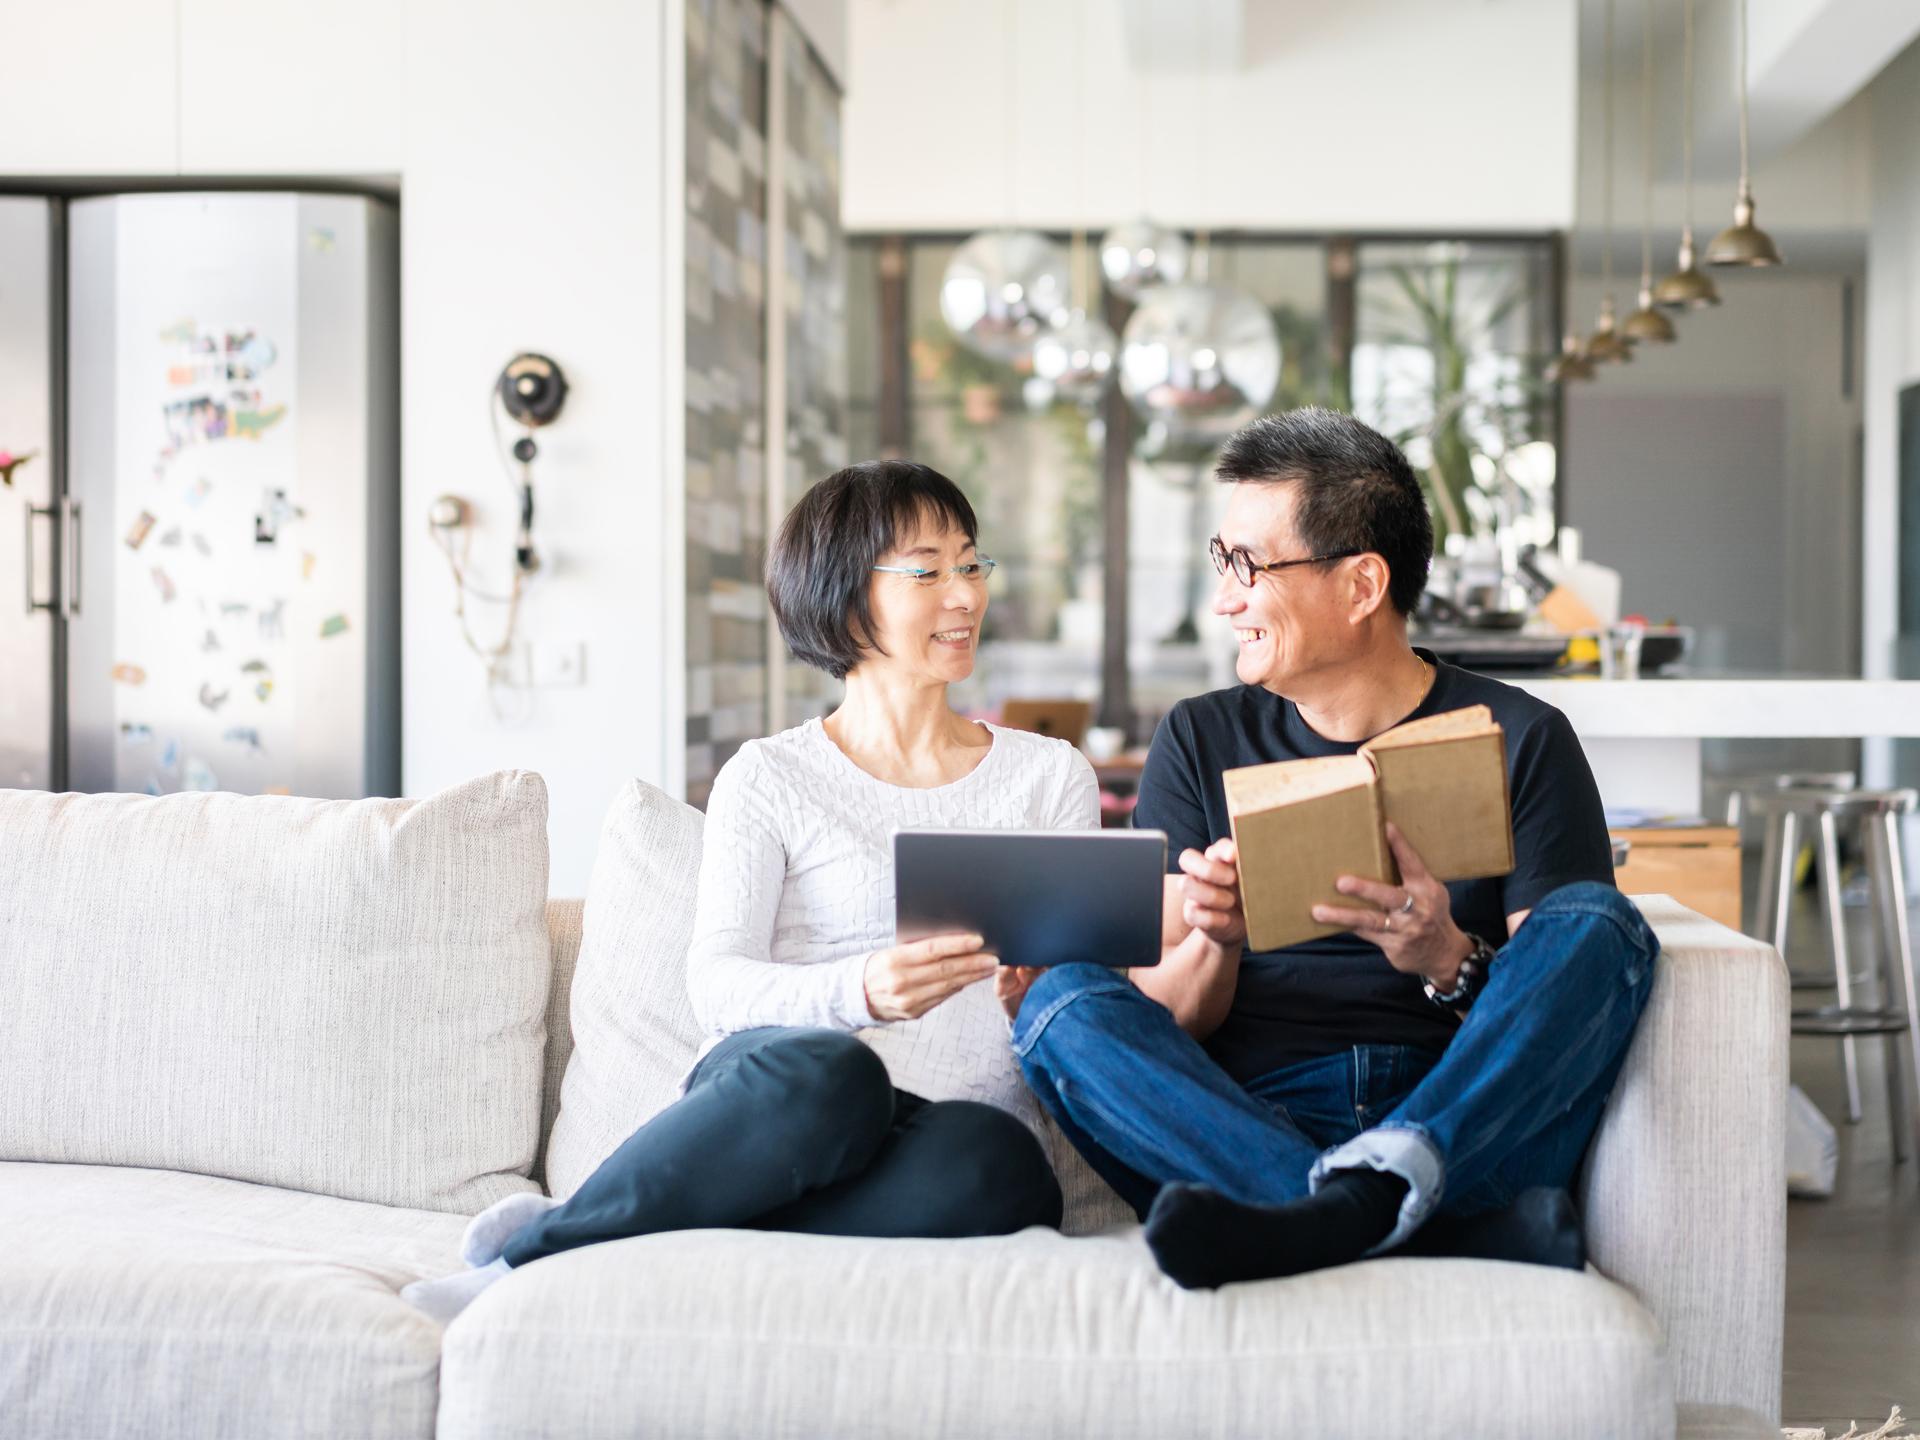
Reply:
x=730, y=135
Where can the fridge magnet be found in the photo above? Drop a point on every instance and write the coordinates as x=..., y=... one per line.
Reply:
x=170, y=536
x=170, y=756
x=164, y=583
x=248, y=354
x=197, y=491
x=10, y=462
x=333, y=625
x=199, y=777
x=320, y=238
x=210, y=644
x=200, y=544
x=129, y=674
x=209, y=699
x=245, y=735
x=231, y=608
x=142, y=527
x=262, y=679
x=136, y=734
x=179, y=333
x=252, y=424
x=271, y=625
x=306, y=564
x=275, y=510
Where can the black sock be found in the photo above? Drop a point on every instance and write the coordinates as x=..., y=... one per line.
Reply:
x=1541, y=1227
x=1202, y=1239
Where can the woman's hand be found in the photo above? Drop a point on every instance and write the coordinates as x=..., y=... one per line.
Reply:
x=1010, y=987
x=907, y=981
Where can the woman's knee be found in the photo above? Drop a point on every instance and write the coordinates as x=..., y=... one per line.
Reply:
x=832, y=1076
x=996, y=1178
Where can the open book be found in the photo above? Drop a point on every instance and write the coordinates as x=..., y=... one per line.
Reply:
x=1301, y=824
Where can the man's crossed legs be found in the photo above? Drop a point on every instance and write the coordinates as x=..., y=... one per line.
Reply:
x=1335, y=1159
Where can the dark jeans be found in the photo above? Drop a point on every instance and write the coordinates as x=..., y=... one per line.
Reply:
x=1511, y=1104
x=802, y=1130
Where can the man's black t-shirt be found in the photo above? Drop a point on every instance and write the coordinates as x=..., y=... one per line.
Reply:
x=1321, y=997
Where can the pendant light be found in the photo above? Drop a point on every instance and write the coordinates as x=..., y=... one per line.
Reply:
x=1605, y=346
x=1570, y=364
x=1646, y=324
x=1688, y=287
x=1743, y=242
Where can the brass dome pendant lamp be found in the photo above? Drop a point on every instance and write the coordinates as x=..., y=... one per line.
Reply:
x=1570, y=364
x=1743, y=242
x=1646, y=324
x=1606, y=345
x=1688, y=287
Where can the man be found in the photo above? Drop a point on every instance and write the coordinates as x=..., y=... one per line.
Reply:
x=1447, y=1058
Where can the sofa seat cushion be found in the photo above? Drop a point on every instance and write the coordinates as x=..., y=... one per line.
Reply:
x=739, y=1333
x=160, y=1304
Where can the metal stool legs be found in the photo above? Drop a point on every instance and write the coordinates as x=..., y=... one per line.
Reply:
x=1899, y=986
x=1836, y=918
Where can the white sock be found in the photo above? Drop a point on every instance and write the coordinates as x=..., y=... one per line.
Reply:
x=488, y=1232
x=443, y=1299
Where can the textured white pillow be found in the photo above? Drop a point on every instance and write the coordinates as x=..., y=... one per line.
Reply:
x=345, y=997
x=634, y=1034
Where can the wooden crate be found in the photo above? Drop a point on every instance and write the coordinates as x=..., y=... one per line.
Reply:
x=1699, y=867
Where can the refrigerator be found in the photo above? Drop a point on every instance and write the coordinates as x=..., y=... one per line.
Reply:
x=206, y=387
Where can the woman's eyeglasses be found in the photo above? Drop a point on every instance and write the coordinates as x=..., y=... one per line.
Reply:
x=1245, y=567
x=975, y=572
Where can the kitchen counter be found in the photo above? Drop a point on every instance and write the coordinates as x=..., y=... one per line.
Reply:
x=1642, y=737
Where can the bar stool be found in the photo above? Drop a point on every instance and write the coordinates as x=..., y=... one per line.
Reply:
x=1779, y=857
x=1895, y=1010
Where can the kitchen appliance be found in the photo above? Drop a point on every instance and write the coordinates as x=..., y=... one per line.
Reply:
x=212, y=548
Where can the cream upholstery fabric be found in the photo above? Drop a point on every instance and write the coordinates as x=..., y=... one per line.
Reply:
x=563, y=934
x=180, y=1307
x=1685, y=1192
x=633, y=1029
x=337, y=996
x=733, y=1333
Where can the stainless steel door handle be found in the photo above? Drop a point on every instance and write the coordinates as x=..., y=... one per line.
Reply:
x=33, y=513
x=70, y=574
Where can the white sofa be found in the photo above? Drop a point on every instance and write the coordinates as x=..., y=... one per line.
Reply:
x=260, y=1057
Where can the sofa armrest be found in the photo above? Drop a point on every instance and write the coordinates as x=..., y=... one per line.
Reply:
x=565, y=920
x=1684, y=1191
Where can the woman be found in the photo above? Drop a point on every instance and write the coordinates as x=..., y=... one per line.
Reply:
x=848, y=1086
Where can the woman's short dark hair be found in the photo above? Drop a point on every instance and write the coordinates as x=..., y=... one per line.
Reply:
x=821, y=565
x=1356, y=490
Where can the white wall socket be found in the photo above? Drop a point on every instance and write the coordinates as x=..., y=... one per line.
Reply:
x=557, y=663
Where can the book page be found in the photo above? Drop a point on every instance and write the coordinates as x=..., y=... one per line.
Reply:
x=1288, y=782
x=1470, y=720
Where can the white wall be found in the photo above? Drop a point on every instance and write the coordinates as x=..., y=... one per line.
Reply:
x=535, y=153
x=1371, y=114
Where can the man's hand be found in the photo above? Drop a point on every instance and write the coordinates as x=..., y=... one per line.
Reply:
x=1209, y=893
x=1414, y=925
x=1010, y=987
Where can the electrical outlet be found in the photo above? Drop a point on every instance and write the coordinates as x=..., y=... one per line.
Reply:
x=557, y=664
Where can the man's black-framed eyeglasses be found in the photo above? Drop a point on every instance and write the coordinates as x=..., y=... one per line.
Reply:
x=1245, y=567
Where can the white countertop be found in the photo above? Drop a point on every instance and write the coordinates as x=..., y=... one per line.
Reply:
x=1733, y=709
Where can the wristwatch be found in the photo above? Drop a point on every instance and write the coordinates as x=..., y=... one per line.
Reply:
x=1473, y=974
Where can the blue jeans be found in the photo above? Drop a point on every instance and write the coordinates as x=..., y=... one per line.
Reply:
x=1510, y=1105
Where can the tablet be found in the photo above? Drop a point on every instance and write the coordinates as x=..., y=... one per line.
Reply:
x=1039, y=897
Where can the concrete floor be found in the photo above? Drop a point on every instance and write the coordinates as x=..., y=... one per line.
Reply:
x=1853, y=1261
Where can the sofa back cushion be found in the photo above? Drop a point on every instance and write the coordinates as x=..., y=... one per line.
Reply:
x=344, y=997
x=634, y=1034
